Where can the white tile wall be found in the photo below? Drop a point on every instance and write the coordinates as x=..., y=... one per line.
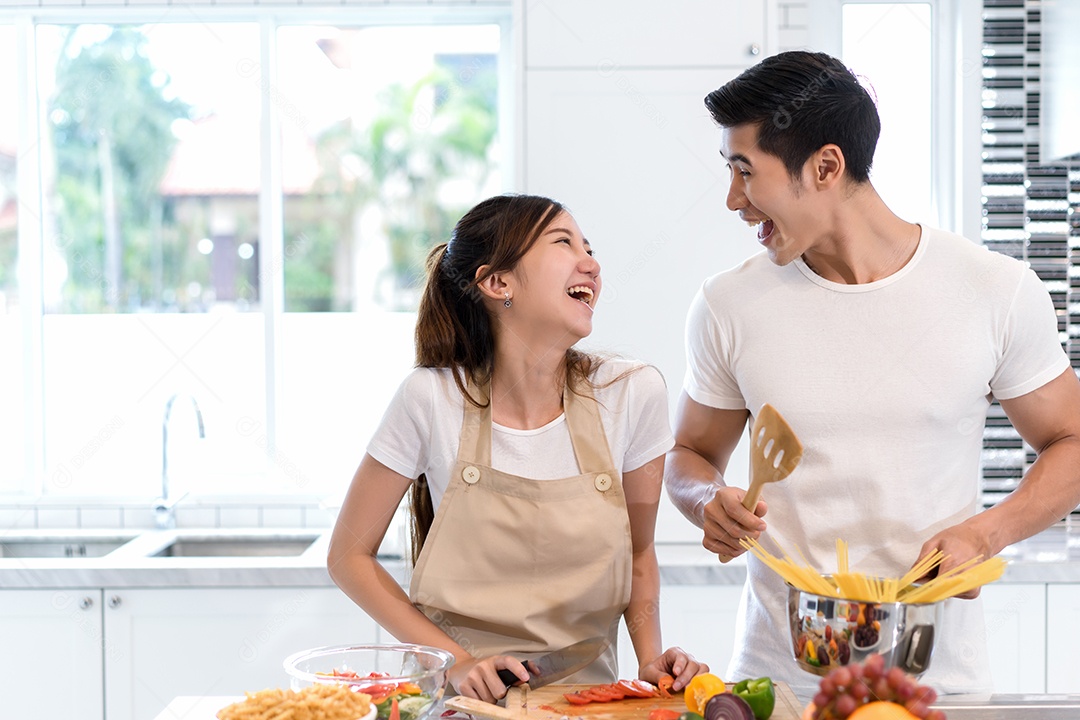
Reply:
x=239, y=517
x=49, y=518
x=29, y=515
x=282, y=517
x=101, y=517
x=18, y=518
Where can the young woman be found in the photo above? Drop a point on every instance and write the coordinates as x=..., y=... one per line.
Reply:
x=535, y=468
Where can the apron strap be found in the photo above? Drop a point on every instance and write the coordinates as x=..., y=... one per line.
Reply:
x=587, y=431
x=475, y=443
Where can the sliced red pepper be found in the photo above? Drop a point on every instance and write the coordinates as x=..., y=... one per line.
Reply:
x=664, y=685
x=394, y=714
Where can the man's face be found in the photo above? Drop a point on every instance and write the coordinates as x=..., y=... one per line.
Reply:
x=764, y=194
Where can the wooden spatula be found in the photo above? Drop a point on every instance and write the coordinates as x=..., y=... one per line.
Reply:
x=774, y=452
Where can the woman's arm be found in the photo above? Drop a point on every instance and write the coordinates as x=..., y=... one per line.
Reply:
x=369, y=505
x=373, y=496
x=642, y=616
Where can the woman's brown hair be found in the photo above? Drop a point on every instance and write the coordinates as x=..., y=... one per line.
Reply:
x=453, y=327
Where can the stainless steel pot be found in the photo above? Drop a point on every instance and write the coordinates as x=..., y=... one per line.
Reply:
x=831, y=631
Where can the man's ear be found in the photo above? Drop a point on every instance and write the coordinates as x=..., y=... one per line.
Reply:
x=828, y=166
x=494, y=286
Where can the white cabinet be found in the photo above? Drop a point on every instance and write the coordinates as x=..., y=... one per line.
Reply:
x=1016, y=636
x=51, y=654
x=214, y=641
x=676, y=33
x=124, y=654
x=1063, y=638
x=698, y=618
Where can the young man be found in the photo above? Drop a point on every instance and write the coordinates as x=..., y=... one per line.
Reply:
x=882, y=342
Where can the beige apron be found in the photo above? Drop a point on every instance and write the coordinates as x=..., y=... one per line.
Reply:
x=521, y=567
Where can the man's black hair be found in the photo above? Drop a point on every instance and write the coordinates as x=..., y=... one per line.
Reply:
x=799, y=102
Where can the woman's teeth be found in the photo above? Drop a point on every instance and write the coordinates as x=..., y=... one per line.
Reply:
x=581, y=293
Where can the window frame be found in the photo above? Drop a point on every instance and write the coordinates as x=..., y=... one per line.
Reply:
x=30, y=470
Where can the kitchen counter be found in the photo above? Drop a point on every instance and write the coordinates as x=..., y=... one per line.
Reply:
x=1050, y=557
x=958, y=707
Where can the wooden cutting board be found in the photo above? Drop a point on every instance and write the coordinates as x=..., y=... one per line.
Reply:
x=548, y=703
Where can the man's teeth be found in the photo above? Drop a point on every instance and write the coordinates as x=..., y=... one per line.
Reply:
x=755, y=223
x=581, y=293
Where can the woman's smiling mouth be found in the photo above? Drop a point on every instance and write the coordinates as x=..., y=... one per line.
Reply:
x=581, y=293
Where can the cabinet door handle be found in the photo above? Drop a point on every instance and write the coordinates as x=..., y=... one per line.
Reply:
x=86, y=603
x=754, y=49
x=114, y=601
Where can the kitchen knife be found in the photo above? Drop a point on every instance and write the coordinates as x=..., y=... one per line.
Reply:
x=557, y=664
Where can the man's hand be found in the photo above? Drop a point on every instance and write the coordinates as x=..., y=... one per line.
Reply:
x=727, y=521
x=959, y=543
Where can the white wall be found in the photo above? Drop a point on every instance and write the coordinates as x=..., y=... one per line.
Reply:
x=614, y=126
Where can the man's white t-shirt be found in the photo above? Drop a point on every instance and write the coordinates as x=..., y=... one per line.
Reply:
x=887, y=385
x=421, y=429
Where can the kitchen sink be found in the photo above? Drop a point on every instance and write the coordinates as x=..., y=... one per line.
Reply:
x=237, y=545
x=61, y=545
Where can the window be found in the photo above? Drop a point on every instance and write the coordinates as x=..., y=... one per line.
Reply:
x=12, y=422
x=266, y=281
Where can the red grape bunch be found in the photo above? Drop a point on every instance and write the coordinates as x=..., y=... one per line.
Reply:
x=848, y=687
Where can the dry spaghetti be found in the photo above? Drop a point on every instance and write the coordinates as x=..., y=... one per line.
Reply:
x=849, y=585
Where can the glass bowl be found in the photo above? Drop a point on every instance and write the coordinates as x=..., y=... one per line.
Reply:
x=414, y=675
x=830, y=631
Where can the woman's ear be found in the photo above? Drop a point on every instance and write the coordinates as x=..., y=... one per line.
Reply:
x=494, y=286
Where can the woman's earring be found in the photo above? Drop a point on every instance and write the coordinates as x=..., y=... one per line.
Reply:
x=508, y=302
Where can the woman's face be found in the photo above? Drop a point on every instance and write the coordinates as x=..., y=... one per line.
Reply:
x=556, y=284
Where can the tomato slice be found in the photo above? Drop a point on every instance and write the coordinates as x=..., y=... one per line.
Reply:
x=663, y=714
x=615, y=690
x=576, y=699
x=631, y=690
x=599, y=694
x=646, y=687
x=664, y=685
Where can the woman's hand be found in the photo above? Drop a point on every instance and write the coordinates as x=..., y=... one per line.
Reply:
x=479, y=678
x=675, y=662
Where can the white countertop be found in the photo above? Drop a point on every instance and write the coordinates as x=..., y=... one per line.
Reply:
x=1050, y=557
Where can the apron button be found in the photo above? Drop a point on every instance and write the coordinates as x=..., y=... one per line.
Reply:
x=602, y=482
x=470, y=475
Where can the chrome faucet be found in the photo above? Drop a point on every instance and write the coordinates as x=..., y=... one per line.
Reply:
x=164, y=515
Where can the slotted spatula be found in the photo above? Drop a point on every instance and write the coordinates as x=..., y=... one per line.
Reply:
x=774, y=452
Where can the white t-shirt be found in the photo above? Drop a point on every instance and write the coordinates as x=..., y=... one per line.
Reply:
x=887, y=385
x=421, y=429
